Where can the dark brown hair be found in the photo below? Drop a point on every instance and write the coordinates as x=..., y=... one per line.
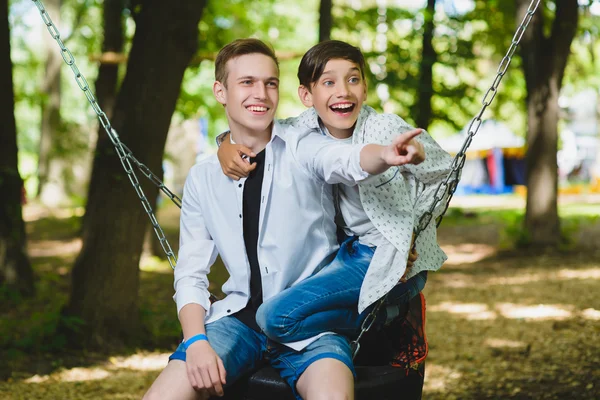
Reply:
x=314, y=61
x=237, y=48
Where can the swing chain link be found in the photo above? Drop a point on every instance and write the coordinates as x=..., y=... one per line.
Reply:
x=447, y=188
x=125, y=155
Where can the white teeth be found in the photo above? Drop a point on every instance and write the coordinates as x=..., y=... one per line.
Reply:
x=342, y=106
x=257, y=109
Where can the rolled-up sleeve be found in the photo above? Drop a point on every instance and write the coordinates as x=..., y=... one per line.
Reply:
x=197, y=251
x=328, y=159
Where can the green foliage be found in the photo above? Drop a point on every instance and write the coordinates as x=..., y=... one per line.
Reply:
x=37, y=332
x=469, y=47
x=513, y=234
x=282, y=23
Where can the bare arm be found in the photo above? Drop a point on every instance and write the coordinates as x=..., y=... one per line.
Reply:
x=205, y=369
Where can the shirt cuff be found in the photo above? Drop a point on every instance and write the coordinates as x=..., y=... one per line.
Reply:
x=191, y=295
x=357, y=173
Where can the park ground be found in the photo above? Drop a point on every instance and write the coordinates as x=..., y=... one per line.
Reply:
x=502, y=323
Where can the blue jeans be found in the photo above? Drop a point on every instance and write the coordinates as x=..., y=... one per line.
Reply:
x=243, y=350
x=327, y=301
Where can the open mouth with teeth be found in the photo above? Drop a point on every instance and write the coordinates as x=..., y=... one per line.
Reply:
x=342, y=108
x=257, y=109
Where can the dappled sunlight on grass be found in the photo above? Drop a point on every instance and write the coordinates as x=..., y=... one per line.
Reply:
x=83, y=374
x=590, y=273
x=142, y=361
x=467, y=253
x=438, y=378
x=55, y=248
x=470, y=311
x=118, y=384
x=501, y=323
x=496, y=343
x=463, y=280
x=591, y=314
x=72, y=375
x=34, y=211
x=540, y=312
x=150, y=263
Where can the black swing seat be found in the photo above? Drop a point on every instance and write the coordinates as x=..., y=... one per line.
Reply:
x=372, y=383
x=375, y=380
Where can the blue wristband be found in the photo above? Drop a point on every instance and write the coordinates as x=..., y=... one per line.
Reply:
x=194, y=339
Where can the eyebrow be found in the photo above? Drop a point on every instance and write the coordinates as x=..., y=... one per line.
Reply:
x=353, y=69
x=254, y=78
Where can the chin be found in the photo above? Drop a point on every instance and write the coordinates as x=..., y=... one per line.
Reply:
x=259, y=125
x=345, y=123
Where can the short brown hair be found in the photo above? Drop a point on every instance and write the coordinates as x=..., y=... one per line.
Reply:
x=237, y=48
x=314, y=60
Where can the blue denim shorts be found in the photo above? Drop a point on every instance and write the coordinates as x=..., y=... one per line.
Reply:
x=244, y=350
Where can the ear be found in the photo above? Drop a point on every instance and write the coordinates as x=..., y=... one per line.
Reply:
x=305, y=96
x=220, y=92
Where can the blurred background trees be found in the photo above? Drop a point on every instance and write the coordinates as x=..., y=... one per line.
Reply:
x=152, y=63
x=15, y=270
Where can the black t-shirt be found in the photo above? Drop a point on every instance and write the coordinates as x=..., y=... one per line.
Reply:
x=251, y=213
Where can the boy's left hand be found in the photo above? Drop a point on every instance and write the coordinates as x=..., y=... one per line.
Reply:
x=412, y=258
x=404, y=149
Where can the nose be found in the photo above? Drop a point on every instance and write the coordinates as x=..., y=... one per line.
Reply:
x=260, y=91
x=343, y=90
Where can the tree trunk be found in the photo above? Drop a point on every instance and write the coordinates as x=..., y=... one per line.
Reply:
x=108, y=74
x=105, y=277
x=325, y=20
x=422, y=111
x=15, y=269
x=51, y=188
x=544, y=62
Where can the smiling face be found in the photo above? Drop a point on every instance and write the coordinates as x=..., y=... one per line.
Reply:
x=337, y=96
x=250, y=94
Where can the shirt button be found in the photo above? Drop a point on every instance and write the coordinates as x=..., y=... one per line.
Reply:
x=240, y=215
x=228, y=311
x=240, y=185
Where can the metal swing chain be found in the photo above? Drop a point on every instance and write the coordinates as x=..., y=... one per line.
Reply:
x=447, y=188
x=125, y=155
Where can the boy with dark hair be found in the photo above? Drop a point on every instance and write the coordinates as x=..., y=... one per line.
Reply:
x=260, y=226
x=377, y=216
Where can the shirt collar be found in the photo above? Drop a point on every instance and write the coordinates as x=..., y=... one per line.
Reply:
x=310, y=119
x=277, y=131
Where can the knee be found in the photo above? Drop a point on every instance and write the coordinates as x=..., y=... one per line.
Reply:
x=272, y=324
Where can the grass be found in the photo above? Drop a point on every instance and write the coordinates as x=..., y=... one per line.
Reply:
x=502, y=323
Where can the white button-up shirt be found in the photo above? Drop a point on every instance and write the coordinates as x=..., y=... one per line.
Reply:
x=297, y=233
x=394, y=201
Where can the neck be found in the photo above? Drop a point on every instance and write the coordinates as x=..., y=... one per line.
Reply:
x=254, y=140
x=339, y=133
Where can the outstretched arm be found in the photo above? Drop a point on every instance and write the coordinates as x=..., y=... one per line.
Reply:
x=337, y=162
x=403, y=150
